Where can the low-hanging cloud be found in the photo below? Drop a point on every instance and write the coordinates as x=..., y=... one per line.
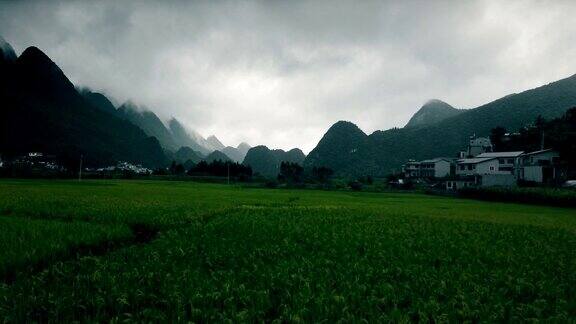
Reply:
x=280, y=73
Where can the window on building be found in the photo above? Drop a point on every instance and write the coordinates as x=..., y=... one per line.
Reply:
x=491, y=168
x=469, y=166
x=510, y=161
x=502, y=161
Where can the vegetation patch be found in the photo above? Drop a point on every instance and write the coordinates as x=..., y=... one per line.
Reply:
x=213, y=253
x=542, y=196
x=29, y=245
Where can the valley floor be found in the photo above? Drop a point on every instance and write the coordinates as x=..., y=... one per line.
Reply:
x=182, y=251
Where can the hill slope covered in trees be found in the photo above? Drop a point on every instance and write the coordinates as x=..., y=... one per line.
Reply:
x=42, y=111
x=266, y=162
x=348, y=151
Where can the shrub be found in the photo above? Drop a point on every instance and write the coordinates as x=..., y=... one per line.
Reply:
x=543, y=196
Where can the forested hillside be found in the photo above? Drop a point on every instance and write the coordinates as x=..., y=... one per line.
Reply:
x=267, y=162
x=42, y=111
x=347, y=151
x=432, y=112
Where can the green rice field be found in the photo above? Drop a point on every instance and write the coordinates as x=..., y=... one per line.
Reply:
x=157, y=251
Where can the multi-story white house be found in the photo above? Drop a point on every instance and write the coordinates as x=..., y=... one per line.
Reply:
x=476, y=166
x=539, y=167
x=435, y=168
x=490, y=169
x=506, y=161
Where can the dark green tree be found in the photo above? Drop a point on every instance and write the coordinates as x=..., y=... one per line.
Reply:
x=291, y=172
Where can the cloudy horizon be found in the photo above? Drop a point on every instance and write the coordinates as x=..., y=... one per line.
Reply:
x=281, y=73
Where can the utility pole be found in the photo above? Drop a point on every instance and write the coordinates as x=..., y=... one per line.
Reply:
x=80, y=171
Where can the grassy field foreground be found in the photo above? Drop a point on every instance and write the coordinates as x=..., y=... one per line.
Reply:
x=175, y=251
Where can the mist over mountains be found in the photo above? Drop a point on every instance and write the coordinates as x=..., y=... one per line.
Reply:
x=43, y=111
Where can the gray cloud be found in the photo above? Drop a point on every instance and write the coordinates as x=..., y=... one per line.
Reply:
x=280, y=73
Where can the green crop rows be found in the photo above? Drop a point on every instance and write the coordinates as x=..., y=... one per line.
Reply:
x=219, y=253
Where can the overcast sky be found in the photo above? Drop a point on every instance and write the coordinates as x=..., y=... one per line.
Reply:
x=279, y=73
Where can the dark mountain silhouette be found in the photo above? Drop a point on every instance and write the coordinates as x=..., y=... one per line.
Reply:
x=216, y=156
x=344, y=148
x=348, y=151
x=182, y=137
x=42, y=111
x=7, y=53
x=149, y=123
x=432, y=112
x=7, y=58
x=98, y=100
x=185, y=154
x=267, y=162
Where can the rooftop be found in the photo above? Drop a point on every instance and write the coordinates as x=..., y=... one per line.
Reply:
x=500, y=154
x=538, y=152
x=437, y=160
x=475, y=160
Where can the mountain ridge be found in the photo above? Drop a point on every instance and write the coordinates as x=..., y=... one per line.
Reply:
x=45, y=113
x=266, y=162
x=432, y=112
x=385, y=151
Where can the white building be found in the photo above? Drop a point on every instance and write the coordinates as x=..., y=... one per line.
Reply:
x=476, y=166
x=477, y=146
x=539, y=166
x=435, y=168
x=490, y=169
x=507, y=161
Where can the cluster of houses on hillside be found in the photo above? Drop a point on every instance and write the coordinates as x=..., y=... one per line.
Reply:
x=42, y=163
x=35, y=160
x=479, y=166
x=123, y=167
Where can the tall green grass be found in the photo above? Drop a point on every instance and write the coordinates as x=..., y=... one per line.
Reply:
x=29, y=244
x=255, y=255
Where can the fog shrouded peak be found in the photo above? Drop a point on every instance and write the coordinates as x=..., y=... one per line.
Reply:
x=432, y=112
x=279, y=73
x=214, y=142
x=6, y=51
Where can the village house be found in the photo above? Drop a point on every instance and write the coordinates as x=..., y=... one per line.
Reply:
x=476, y=166
x=435, y=168
x=490, y=169
x=506, y=161
x=539, y=166
x=479, y=166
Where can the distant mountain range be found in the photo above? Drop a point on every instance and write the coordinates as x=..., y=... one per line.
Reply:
x=42, y=111
x=266, y=162
x=437, y=129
